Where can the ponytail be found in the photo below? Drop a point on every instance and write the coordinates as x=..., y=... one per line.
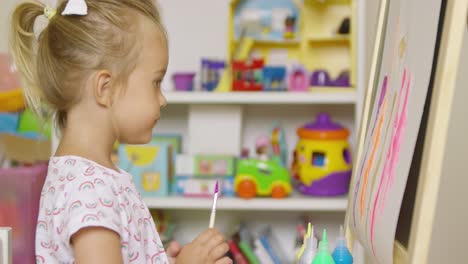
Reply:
x=23, y=46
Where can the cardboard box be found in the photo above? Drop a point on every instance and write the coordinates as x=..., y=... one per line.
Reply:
x=214, y=165
x=150, y=166
x=25, y=150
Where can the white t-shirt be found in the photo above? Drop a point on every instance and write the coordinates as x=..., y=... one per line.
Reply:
x=79, y=193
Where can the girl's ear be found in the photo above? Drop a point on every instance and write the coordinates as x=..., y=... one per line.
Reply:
x=102, y=88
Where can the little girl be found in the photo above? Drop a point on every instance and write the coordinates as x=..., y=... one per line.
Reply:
x=98, y=65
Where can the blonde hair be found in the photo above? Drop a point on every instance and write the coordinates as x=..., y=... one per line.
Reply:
x=54, y=65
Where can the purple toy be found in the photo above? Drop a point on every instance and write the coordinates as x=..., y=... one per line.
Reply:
x=342, y=80
x=322, y=161
x=183, y=81
x=321, y=78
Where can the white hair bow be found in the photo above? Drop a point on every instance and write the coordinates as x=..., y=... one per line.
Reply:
x=76, y=7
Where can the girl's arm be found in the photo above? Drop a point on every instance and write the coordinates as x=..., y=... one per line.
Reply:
x=96, y=245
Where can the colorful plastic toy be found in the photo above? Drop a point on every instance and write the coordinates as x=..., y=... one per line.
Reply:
x=343, y=80
x=261, y=178
x=278, y=143
x=183, y=81
x=274, y=78
x=262, y=148
x=247, y=76
x=211, y=71
x=297, y=79
x=290, y=24
x=322, y=160
x=322, y=78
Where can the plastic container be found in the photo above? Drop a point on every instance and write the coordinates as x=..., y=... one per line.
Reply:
x=20, y=191
x=183, y=81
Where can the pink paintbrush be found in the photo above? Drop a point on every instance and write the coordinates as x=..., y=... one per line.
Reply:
x=213, y=208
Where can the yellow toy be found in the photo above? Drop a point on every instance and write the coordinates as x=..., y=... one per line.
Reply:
x=11, y=101
x=322, y=160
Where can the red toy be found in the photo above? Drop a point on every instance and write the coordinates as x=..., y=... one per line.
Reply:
x=247, y=76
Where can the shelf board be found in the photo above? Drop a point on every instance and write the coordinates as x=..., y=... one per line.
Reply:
x=275, y=43
x=331, y=2
x=329, y=39
x=316, y=96
x=296, y=202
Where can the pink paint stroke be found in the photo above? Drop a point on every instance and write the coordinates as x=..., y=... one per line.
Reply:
x=383, y=93
x=393, y=153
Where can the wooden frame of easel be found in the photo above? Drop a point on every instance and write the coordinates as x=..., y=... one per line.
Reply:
x=455, y=21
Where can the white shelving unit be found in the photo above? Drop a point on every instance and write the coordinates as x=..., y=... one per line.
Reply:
x=317, y=96
x=224, y=123
x=296, y=203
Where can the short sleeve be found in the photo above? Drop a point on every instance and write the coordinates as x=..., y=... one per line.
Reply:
x=92, y=202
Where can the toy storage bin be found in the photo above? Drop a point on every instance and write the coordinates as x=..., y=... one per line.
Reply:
x=20, y=191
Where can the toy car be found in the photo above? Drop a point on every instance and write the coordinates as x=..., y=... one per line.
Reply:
x=261, y=178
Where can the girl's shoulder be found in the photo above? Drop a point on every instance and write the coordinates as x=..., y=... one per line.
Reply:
x=74, y=174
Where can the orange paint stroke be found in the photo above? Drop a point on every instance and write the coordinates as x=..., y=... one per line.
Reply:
x=370, y=161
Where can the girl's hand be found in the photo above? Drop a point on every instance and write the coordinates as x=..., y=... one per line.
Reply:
x=173, y=251
x=209, y=247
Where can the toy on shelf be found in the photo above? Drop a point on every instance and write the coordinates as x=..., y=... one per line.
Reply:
x=345, y=26
x=303, y=32
x=211, y=72
x=279, y=147
x=322, y=159
x=297, y=79
x=290, y=27
x=265, y=19
x=261, y=178
x=321, y=78
x=265, y=175
x=262, y=148
x=183, y=81
x=343, y=80
x=274, y=78
x=247, y=75
x=196, y=175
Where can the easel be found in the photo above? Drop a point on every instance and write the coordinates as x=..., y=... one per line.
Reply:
x=443, y=124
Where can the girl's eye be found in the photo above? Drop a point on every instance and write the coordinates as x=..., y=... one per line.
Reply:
x=157, y=83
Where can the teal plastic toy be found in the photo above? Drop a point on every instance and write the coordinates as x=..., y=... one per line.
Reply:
x=323, y=255
x=341, y=254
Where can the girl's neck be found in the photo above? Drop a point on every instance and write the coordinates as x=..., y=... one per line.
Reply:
x=88, y=139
